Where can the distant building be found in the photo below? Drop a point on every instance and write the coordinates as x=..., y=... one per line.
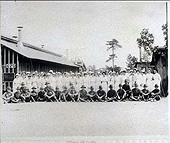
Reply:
x=17, y=56
x=143, y=65
x=81, y=65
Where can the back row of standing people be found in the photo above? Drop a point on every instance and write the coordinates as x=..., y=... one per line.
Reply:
x=58, y=79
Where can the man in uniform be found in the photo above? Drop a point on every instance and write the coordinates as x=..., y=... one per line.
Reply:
x=93, y=95
x=72, y=94
x=155, y=94
x=111, y=95
x=17, y=96
x=49, y=93
x=121, y=93
x=101, y=94
x=135, y=94
x=8, y=96
x=145, y=93
x=82, y=95
x=34, y=94
x=126, y=87
x=41, y=95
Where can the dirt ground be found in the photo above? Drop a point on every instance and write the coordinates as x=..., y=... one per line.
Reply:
x=85, y=119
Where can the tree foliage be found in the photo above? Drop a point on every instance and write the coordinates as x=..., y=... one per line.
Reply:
x=131, y=60
x=165, y=33
x=145, y=41
x=113, y=45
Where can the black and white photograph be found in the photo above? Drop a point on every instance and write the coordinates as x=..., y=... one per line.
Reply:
x=84, y=72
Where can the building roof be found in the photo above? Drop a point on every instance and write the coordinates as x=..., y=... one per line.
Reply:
x=34, y=52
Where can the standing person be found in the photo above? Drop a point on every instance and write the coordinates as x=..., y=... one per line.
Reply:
x=149, y=80
x=29, y=82
x=145, y=93
x=135, y=94
x=121, y=93
x=157, y=78
x=101, y=94
x=34, y=80
x=111, y=95
x=16, y=82
x=104, y=81
x=131, y=78
x=155, y=94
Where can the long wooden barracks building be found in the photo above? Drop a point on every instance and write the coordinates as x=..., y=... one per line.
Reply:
x=17, y=56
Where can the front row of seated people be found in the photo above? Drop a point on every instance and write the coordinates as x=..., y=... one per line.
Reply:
x=47, y=94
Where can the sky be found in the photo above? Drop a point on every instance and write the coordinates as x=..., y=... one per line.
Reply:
x=84, y=27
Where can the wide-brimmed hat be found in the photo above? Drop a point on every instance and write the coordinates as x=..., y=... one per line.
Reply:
x=120, y=85
x=64, y=87
x=47, y=83
x=33, y=87
x=8, y=88
x=156, y=85
x=145, y=85
x=83, y=86
x=22, y=83
x=18, y=88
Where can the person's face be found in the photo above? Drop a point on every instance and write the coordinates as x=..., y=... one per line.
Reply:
x=8, y=90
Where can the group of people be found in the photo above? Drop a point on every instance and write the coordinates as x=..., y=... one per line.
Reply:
x=133, y=85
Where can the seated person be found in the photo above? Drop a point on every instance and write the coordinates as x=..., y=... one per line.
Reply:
x=34, y=94
x=121, y=93
x=155, y=94
x=63, y=94
x=135, y=94
x=111, y=95
x=8, y=96
x=17, y=96
x=25, y=94
x=126, y=87
x=72, y=94
x=49, y=93
x=101, y=94
x=145, y=93
x=41, y=95
x=57, y=93
x=92, y=94
x=82, y=95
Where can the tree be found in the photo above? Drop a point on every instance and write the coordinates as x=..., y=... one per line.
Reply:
x=131, y=60
x=145, y=41
x=117, y=69
x=165, y=33
x=113, y=45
